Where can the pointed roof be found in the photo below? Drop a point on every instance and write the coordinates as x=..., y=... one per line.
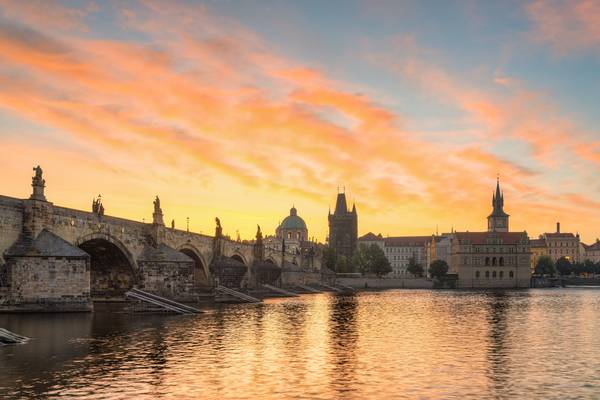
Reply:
x=498, y=202
x=340, y=205
x=46, y=244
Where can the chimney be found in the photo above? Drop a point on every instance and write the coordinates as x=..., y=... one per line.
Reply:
x=558, y=227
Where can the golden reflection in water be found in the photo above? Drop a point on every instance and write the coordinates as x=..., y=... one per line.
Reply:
x=396, y=344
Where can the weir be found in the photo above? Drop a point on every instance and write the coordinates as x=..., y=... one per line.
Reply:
x=161, y=302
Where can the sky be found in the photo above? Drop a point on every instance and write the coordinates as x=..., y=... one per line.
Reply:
x=243, y=109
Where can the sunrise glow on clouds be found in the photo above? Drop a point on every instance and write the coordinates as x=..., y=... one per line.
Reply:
x=243, y=109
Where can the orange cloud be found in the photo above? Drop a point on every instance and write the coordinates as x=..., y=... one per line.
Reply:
x=215, y=101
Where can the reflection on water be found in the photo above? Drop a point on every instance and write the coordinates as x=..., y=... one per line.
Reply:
x=396, y=344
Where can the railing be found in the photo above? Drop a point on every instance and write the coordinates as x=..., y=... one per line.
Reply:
x=162, y=302
x=8, y=337
x=234, y=293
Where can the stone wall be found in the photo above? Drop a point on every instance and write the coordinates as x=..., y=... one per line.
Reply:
x=48, y=284
x=11, y=222
x=386, y=283
x=173, y=280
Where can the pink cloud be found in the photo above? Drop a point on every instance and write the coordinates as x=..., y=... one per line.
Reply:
x=567, y=26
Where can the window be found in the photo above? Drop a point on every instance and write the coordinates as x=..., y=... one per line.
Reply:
x=289, y=235
x=494, y=274
x=487, y=261
x=500, y=274
x=511, y=274
x=477, y=274
x=501, y=261
x=487, y=274
x=493, y=261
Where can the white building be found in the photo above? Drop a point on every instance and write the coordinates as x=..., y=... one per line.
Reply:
x=399, y=250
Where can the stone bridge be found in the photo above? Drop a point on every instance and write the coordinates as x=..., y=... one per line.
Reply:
x=57, y=257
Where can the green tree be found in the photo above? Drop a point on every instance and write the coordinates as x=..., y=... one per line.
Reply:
x=414, y=268
x=330, y=258
x=375, y=261
x=589, y=267
x=343, y=265
x=545, y=266
x=564, y=266
x=578, y=268
x=359, y=258
x=438, y=268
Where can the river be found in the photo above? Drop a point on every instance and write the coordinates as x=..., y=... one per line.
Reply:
x=400, y=344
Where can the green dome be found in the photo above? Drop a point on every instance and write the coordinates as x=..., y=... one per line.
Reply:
x=293, y=221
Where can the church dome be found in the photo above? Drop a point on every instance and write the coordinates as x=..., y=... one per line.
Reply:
x=293, y=221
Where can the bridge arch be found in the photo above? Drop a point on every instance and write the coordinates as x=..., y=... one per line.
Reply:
x=271, y=260
x=239, y=257
x=113, y=269
x=201, y=271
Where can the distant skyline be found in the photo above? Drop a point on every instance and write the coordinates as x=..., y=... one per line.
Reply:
x=241, y=109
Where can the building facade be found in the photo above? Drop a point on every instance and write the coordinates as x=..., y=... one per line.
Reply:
x=399, y=250
x=563, y=244
x=438, y=248
x=493, y=259
x=591, y=252
x=538, y=248
x=343, y=227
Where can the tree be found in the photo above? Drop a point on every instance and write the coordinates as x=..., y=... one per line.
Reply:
x=589, y=267
x=343, y=264
x=359, y=258
x=377, y=263
x=330, y=258
x=578, y=268
x=438, y=268
x=414, y=268
x=564, y=266
x=545, y=266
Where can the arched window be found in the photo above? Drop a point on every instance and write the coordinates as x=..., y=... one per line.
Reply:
x=487, y=261
x=493, y=261
x=487, y=274
x=501, y=261
x=298, y=235
x=500, y=274
x=493, y=274
x=477, y=274
x=511, y=274
x=289, y=235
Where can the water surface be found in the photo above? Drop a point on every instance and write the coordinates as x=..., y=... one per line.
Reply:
x=401, y=344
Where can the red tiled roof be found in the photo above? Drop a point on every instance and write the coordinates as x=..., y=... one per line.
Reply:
x=370, y=237
x=559, y=235
x=406, y=241
x=595, y=246
x=537, y=243
x=481, y=237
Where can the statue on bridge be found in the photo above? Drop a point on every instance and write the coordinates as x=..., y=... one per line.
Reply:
x=97, y=207
x=157, y=206
x=218, y=229
x=157, y=216
x=38, y=174
x=259, y=235
x=38, y=183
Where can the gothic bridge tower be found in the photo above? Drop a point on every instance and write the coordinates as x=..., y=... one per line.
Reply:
x=343, y=227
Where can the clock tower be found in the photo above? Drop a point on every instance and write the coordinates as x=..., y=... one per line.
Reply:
x=498, y=219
